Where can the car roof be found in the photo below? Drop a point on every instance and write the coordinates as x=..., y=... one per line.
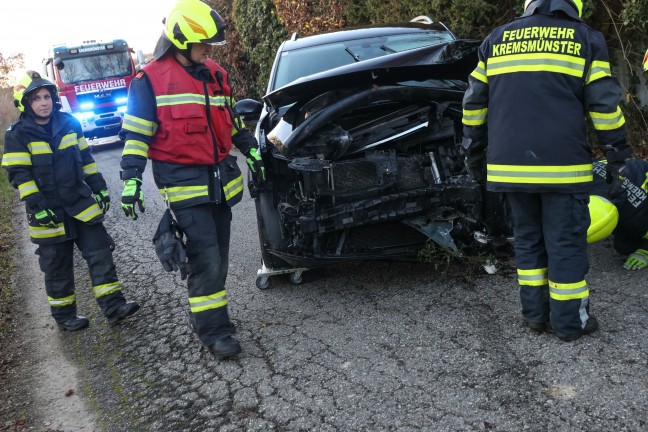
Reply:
x=348, y=34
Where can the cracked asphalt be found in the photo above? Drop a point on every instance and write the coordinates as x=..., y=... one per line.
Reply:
x=359, y=347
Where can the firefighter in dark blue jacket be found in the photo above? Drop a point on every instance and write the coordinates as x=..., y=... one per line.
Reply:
x=50, y=163
x=630, y=196
x=536, y=78
x=181, y=116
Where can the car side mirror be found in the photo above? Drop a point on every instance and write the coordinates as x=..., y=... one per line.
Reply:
x=249, y=109
x=58, y=62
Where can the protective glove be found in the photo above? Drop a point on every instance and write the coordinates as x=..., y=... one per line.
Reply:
x=638, y=260
x=255, y=163
x=476, y=166
x=132, y=194
x=169, y=246
x=103, y=200
x=45, y=218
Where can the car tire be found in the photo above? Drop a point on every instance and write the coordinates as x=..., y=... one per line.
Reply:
x=269, y=230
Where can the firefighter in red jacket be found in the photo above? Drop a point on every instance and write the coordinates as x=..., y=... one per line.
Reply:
x=536, y=78
x=181, y=116
x=50, y=163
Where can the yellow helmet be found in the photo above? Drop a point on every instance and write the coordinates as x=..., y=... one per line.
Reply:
x=645, y=63
x=192, y=21
x=604, y=217
x=29, y=82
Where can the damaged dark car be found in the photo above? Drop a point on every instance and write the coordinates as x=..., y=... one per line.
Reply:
x=359, y=134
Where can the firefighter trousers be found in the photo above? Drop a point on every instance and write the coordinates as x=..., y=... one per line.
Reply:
x=57, y=263
x=207, y=231
x=551, y=250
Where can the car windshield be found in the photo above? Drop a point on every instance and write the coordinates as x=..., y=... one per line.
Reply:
x=96, y=67
x=301, y=62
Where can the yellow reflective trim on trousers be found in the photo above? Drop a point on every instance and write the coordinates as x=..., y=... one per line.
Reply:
x=536, y=277
x=65, y=301
x=475, y=117
x=568, y=174
x=543, y=62
x=39, y=147
x=89, y=213
x=233, y=188
x=181, y=193
x=607, y=121
x=46, y=232
x=135, y=147
x=189, y=98
x=83, y=144
x=598, y=69
x=203, y=303
x=139, y=125
x=16, y=159
x=569, y=291
x=105, y=289
x=68, y=141
x=90, y=169
x=480, y=73
x=27, y=188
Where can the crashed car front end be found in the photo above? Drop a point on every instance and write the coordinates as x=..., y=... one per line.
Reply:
x=363, y=163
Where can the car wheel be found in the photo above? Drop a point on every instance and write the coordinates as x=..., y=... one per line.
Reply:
x=269, y=230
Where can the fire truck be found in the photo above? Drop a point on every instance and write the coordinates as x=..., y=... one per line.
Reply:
x=93, y=79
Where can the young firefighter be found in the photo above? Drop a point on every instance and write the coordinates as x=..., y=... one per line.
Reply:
x=536, y=78
x=180, y=115
x=50, y=163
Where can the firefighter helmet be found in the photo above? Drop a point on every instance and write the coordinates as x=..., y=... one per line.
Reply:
x=645, y=63
x=604, y=217
x=192, y=21
x=29, y=82
x=573, y=8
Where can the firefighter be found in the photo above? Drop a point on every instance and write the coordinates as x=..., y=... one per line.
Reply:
x=645, y=64
x=536, y=78
x=50, y=163
x=181, y=116
x=630, y=197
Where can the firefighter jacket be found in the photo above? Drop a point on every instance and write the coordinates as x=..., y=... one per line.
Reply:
x=633, y=205
x=184, y=120
x=536, y=79
x=53, y=171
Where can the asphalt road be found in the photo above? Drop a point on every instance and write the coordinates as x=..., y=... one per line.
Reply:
x=360, y=347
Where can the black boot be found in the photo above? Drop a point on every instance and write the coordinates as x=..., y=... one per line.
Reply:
x=224, y=347
x=74, y=324
x=123, y=311
x=590, y=327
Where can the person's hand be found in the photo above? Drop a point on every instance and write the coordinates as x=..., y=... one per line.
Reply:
x=638, y=260
x=476, y=167
x=171, y=253
x=103, y=200
x=45, y=218
x=132, y=194
x=255, y=163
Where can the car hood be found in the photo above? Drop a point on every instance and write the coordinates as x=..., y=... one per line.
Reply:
x=453, y=60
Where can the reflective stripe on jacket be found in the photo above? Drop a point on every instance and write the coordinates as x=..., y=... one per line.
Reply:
x=55, y=172
x=537, y=78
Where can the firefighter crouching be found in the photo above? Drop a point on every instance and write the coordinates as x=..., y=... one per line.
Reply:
x=50, y=163
x=536, y=78
x=181, y=116
x=630, y=197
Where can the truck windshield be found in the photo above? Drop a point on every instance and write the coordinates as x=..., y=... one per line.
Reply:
x=96, y=67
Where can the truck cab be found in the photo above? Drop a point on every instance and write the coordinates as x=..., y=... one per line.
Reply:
x=93, y=79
